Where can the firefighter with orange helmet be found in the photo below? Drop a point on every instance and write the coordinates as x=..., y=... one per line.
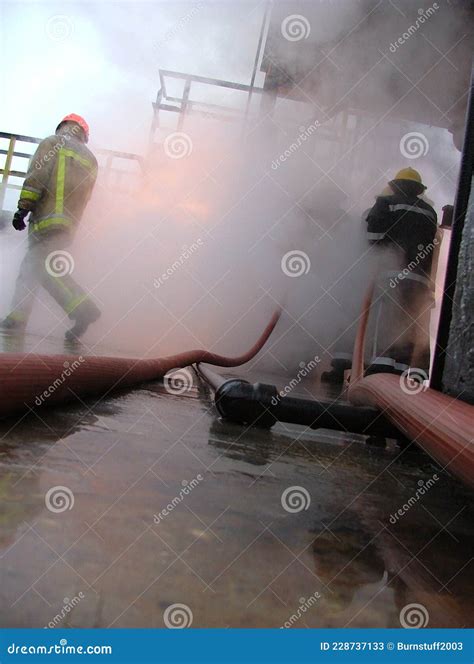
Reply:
x=55, y=192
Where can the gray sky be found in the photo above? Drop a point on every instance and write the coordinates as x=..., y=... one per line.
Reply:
x=100, y=59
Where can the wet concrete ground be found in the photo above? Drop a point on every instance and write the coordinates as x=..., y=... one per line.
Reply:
x=113, y=554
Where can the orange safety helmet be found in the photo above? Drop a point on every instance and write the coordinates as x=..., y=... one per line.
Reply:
x=72, y=117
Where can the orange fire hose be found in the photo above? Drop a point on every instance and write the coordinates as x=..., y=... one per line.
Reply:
x=440, y=424
x=28, y=379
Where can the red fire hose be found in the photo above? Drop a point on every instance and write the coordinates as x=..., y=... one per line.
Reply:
x=29, y=379
x=440, y=424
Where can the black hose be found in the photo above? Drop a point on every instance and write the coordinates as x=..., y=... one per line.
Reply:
x=261, y=405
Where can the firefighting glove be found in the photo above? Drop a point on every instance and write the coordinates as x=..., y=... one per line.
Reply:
x=18, y=220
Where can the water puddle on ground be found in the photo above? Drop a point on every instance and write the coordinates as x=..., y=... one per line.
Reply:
x=113, y=511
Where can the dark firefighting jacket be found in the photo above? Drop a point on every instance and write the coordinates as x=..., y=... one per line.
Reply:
x=58, y=184
x=408, y=225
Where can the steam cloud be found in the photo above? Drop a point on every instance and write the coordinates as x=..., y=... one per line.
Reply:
x=209, y=185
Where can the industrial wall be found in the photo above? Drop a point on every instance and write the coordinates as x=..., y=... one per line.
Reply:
x=458, y=377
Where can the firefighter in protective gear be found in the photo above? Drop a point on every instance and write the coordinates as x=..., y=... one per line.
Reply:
x=55, y=192
x=405, y=226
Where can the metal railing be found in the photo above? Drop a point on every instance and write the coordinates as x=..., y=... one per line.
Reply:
x=11, y=152
x=114, y=177
x=184, y=104
x=335, y=129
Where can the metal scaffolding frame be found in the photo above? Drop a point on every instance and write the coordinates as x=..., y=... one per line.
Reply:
x=185, y=105
x=335, y=130
x=113, y=175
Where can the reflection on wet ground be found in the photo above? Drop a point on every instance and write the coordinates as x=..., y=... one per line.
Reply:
x=159, y=503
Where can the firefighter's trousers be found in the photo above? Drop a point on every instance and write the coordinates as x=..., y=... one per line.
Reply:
x=403, y=326
x=47, y=264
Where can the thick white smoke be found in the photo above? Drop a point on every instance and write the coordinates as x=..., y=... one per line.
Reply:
x=225, y=225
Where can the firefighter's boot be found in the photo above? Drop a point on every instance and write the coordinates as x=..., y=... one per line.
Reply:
x=84, y=316
x=11, y=324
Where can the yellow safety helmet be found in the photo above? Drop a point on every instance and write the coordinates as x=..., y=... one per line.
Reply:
x=409, y=174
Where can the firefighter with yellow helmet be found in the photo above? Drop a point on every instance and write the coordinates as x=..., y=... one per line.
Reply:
x=55, y=192
x=405, y=225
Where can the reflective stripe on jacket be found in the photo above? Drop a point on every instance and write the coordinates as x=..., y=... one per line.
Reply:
x=58, y=184
x=409, y=225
